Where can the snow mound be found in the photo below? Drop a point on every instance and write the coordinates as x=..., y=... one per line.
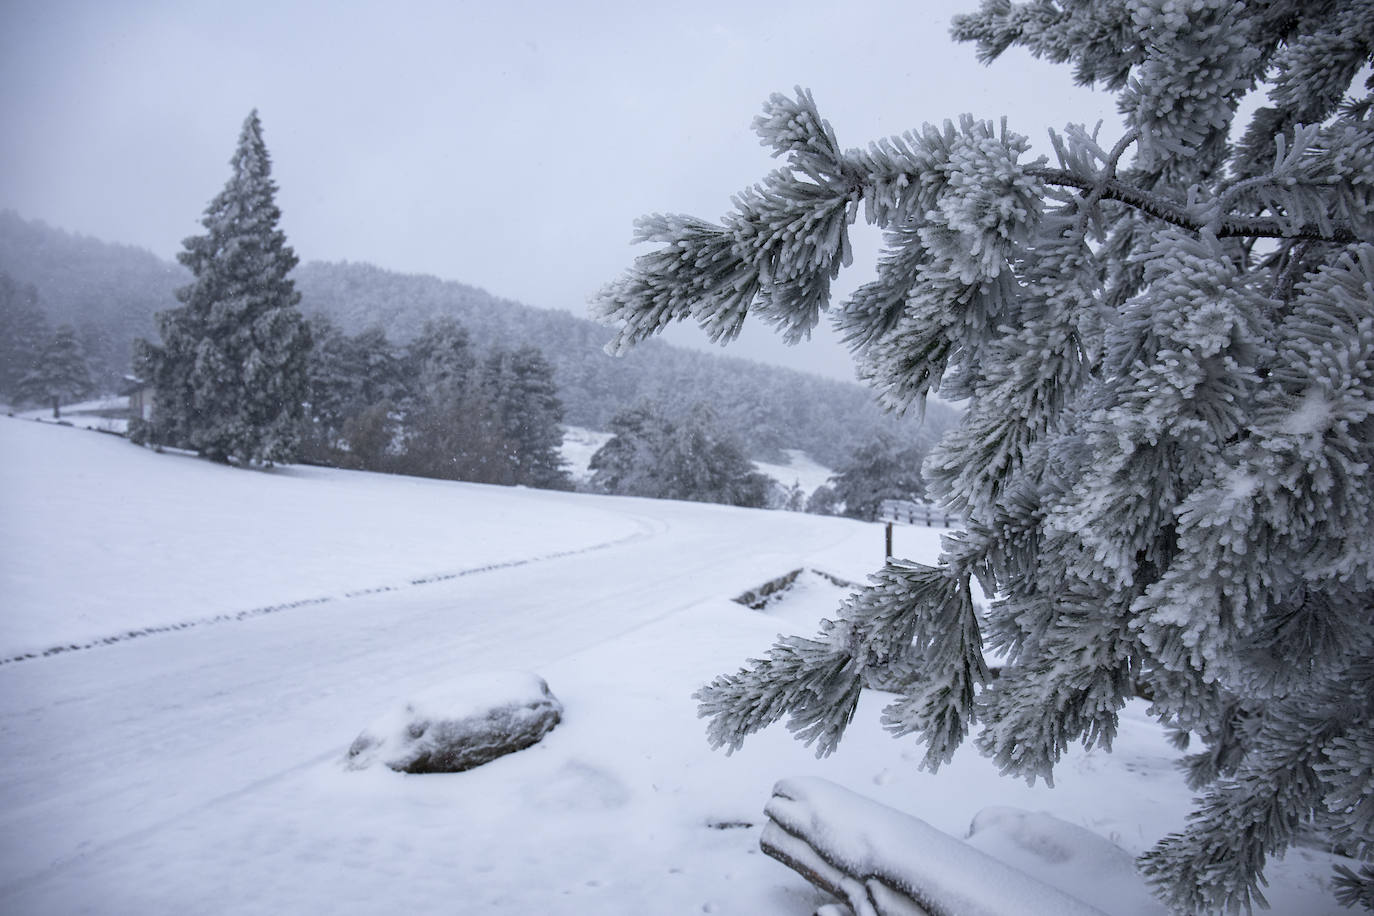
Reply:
x=1069, y=857
x=469, y=722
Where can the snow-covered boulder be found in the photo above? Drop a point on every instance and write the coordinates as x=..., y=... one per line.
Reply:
x=464, y=724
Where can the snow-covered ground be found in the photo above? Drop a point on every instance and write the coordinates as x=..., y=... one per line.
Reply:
x=799, y=469
x=86, y=414
x=201, y=769
x=579, y=445
x=114, y=537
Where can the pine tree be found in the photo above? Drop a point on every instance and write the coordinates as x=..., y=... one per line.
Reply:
x=877, y=470
x=790, y=499
x=627, y=463
x=60, y=374
x=371, y=434
x=823, y=501
x=231, y=371
x=453, y=430
x=692, y=459
x=459, y=438
x=346, y=378
x=1165, y=461
x=106, y=357
x=378, y=368
x=520, y=388
x=24, y=332
x=703, y=463
x=333, y=390
x=439, y=362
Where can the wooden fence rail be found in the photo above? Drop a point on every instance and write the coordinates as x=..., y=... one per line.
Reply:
x=912, y=513
x=907, y=512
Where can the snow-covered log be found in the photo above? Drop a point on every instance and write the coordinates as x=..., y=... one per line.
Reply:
x=882, y=862
x=467, y=723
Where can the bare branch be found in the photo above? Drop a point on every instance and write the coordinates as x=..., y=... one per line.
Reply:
x=1171, y=212
x=1106, y=175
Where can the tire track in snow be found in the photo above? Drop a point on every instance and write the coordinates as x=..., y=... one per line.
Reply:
x=110, y=804
x=89, y=851
x=647, y=528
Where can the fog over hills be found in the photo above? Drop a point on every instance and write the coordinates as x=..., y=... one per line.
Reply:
x=110, y=292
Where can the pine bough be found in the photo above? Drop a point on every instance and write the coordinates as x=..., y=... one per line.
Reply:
x=1165, y=460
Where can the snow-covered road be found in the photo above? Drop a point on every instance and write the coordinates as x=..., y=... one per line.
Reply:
x=199, y=770
x=118, y=743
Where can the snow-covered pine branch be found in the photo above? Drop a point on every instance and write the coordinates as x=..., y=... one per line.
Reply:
x=900, y=624
x=1166, y=455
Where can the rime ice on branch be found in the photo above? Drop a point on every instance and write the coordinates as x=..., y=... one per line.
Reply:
x=1165, y=342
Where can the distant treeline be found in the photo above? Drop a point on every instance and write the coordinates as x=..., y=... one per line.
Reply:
x=433, y=407
x=108, y=293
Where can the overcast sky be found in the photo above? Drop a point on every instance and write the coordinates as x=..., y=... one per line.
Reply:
x=509, y=145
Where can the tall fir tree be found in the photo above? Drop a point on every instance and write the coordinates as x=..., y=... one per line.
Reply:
x=230, y=375
x=1165, y=460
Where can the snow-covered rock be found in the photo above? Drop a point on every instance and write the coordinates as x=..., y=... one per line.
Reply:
x=465, y=724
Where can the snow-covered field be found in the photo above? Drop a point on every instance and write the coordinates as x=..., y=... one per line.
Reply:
x=800, y=469
x=95, y=414
x=579, y=445
x=260, y=620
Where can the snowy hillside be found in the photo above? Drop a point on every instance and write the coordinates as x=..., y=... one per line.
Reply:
x=800, y=469
x=259, y=620
x=579, y=445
